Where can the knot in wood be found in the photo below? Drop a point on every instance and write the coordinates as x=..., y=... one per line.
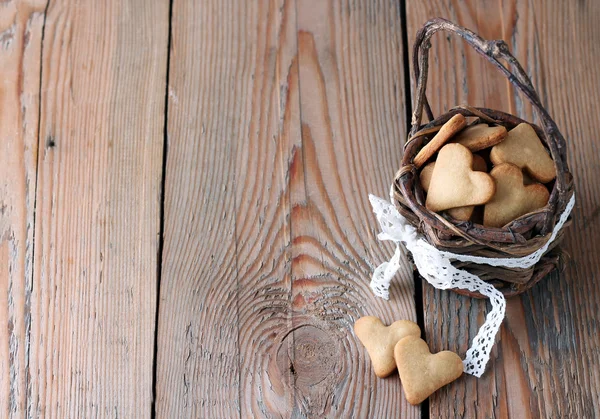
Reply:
x=312, y=356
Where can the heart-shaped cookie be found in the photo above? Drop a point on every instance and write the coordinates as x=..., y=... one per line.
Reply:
x=454, y=183
x=454, y=125
x=480, y=136
x=523, y=148
x=379, y=340
x=421, y=372
x=479, y=165
x=460, y=213
x=513, y=198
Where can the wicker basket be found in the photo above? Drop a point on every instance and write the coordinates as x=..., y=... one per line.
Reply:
x=522, y=236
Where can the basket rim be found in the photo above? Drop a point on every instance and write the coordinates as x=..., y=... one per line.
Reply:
x=509, y=240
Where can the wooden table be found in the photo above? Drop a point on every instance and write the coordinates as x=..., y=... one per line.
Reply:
x=184, y=220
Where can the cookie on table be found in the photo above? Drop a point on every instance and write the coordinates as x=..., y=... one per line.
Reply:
x=379, y=340
x=421, y=372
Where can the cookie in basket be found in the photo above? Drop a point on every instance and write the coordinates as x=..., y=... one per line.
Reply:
x=480, y=136
x=512, y=198
x=454, y=183
x=460, y=213
x=523, y=148
x=447, y=131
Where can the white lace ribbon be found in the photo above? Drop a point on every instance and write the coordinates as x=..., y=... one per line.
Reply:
x=434, y=265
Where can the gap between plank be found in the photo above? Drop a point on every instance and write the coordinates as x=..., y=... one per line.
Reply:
x=405, y=59
x=418, y=282
x=37, y=167
x=419, y=308
x=161, y=229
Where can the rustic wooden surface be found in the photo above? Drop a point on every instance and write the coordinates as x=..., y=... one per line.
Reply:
x=184, y=222
x=262, y=281
x=93, y=297
x=20, y=44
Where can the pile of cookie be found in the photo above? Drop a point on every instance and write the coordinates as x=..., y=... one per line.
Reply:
x=400, y=346
x=454, y=172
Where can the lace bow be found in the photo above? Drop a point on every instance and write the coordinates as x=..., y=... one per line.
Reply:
x=434, y=265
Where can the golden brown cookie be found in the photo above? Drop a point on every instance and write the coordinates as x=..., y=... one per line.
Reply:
x=454, y=183
x=425, y=175
x=421, y=372
x=454, y=125
x=460, y=213
x=523, y=148
x=512, y=199
x=479, y=165
x=480, y=136
x=380, y=340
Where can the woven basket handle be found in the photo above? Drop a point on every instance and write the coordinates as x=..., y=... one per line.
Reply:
x=492, y=50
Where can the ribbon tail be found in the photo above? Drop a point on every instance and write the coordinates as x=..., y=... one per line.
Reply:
x=382, y=276
x=478, y=354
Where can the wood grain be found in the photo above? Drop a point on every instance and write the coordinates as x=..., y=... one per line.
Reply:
x=214, y=61
x=545, y=363
x=262, y=282
x=98, y=209
x=352, y=114
x=282, y=116
x=267, y=163
x=21, y=24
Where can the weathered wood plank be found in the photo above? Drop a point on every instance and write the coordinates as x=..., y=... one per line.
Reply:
x=267, y=165
x=21, y=24
x=545, y=363
x=353, y=127
x=98, y=209
x=281, y=253
x=249, y=144
x=220, y=55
